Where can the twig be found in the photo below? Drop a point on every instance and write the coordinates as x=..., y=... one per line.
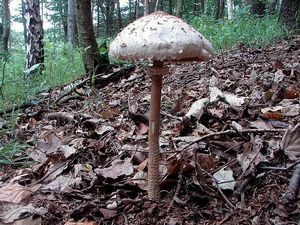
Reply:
x=220, y=191
x=16, y=107
x=292, y=190
x=176, y=193
x=232, y=132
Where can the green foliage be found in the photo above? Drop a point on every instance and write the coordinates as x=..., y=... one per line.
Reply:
x=12, y=151
x=244, y=28
x=62, y=65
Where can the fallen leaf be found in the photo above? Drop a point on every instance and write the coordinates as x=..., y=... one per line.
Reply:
x=82, y=223
x=273, y=115
x=224, y=178
x=108, y=213
x=140, y=179
x=291, y=143
x=142, y=129
x=197, y=108
x=15, y=193
x=104, y=129
x=62, y=183
x=117, y=168
x=9, y=212
x=29, y=221
x=67, y=150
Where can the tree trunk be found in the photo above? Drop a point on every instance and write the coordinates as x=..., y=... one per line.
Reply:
x=146, y=7
x=120, y=24
x=289, y=15
x=136, y=9
x=35, y=34
x=72, y=22
x=130, y=11
x=98, y=19
x=179, y=8
x=258, y=7
x=93, y=61
x=171, y=7
x=273, y=7
x=6, y=25
x=219, y=9
x=229, y=9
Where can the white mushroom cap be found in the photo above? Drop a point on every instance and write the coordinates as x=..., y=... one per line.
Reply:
x=162, y=37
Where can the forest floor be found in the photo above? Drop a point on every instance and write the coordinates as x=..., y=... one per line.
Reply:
x=230, y=145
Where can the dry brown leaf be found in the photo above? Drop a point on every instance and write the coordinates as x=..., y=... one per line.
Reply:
x=290, y=94
x=108, y=213
x=142, y=129
x=118, y=168
x=10, y=212
x=273, y=115
x=29, y=221
x=15, y=193
x=291, y=143
x=82, y=223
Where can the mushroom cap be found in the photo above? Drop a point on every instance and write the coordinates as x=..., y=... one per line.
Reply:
x=160, y=37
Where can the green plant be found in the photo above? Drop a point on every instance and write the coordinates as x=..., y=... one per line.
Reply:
x=62, y=65
x=244, y=28
x=12, y=153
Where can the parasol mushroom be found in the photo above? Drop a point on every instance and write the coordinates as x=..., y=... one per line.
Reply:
x=159, y=37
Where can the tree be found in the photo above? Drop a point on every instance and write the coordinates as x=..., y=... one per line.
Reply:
x=35, y=34
x=58, y=16
x=258, y=7
x=179, y=8
x=72, y=22
x=219, y=9
x=229, y=9
x=120, y=24
x=6, y=25
x=289, y=15
x=146, y=7
x=93, y=61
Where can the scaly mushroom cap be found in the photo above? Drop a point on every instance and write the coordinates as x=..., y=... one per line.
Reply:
x=162, y=37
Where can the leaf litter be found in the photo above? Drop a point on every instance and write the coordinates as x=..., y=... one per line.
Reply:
x=229, y=147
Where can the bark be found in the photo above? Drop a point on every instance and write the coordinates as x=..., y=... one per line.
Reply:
x=130, y=10
x=219, y=9
x=229, y=9
x=146, y=7
x=171, y=7
x=179, y=8
x=258, y=7
x=273, y=7
x=72, y=22
x=120, y=23
x=289, y=16
x=109, y=17
x=98, y=19
x=93, y=61
x=35, y=34
x=6, y=25
x=136, y=9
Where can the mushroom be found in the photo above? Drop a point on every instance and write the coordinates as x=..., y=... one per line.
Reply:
x=159, y=37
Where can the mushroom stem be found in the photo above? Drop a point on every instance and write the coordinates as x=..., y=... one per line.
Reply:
x=154, y=117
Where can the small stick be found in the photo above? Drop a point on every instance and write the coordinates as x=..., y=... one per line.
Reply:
x=232, y=132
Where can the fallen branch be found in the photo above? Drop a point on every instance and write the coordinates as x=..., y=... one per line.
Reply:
x=232, y=132
x=60, y=116
x=16, y=107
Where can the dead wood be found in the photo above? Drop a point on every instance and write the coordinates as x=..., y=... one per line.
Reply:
x=16, y=107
